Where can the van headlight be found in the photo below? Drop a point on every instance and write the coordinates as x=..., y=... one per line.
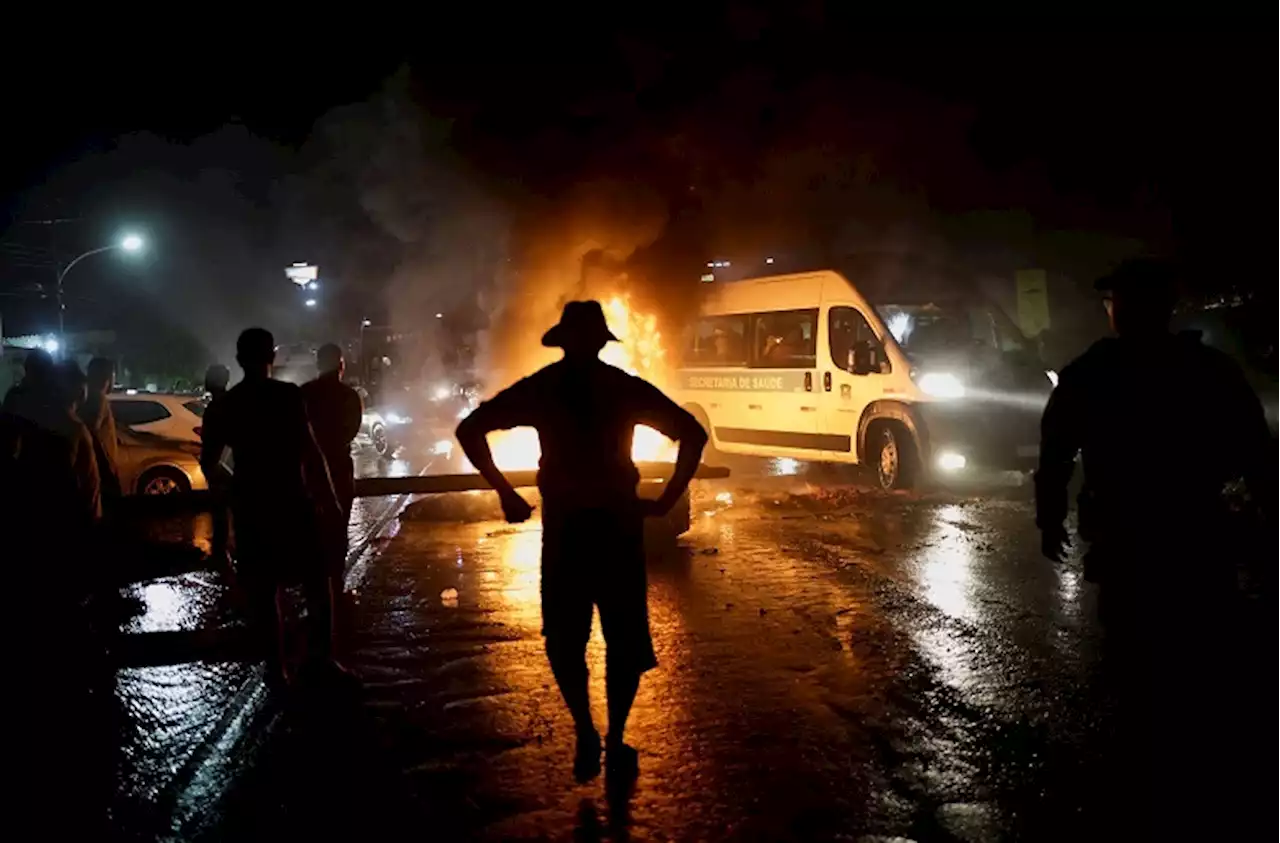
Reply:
x=941, y=385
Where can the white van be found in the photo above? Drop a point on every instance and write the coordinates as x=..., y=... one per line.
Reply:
x=803, y=366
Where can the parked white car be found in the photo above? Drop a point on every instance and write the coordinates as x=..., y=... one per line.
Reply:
x=151, y=464
x=171, y=416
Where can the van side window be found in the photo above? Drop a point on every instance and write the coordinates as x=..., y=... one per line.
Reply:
x=785, y=340
x=717, y=341
x=847, y=332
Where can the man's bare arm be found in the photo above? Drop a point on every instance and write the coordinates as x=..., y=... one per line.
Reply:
x=674, y=422
x=692, y=440
x=354, y=411
x=1059, y=444
x=472, y=435
x=315, y=468
x=213, y=439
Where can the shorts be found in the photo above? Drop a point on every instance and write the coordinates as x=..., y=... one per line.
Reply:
x=595, y=557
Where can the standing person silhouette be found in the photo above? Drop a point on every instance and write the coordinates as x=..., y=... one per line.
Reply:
x=95, y=412
x=585, y=412
x=216, y=378
x=335, y=410
x=1162, y=425
x=281, y=498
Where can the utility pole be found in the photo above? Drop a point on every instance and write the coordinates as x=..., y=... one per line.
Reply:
x=52, y=224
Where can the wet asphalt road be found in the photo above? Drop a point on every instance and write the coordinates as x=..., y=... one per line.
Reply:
x=836, y=664
x=187, y=724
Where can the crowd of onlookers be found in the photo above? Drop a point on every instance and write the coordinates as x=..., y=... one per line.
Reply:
x=57, y=480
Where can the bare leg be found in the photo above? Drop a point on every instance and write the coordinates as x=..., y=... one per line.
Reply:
x=621, y=686
x=570, y=670
x=319, y=616
x=264, y=601
x=571, y=677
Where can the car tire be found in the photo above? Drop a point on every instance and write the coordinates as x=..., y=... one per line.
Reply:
x=381, y=442
x=663, y=532
x=891, y=457
x=163, y=480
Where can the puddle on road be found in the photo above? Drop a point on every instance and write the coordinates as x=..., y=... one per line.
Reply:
x=172, y=712
x=172, y=604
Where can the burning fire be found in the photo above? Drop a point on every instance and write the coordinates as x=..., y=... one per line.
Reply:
x=639, y=352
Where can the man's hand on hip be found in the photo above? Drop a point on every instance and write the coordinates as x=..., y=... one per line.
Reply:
x=514, y=508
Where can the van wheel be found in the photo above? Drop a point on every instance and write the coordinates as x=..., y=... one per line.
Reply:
x=892, y=457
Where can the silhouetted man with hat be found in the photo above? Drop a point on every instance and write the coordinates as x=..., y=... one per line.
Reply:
x=1137, y=409
x=1161, y=424
x=585, y=412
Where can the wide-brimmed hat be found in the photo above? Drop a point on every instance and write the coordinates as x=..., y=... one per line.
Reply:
x=582, y=322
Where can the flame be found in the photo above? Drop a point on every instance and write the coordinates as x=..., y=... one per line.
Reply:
x=639, y=352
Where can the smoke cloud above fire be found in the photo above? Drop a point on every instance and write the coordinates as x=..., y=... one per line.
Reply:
x=497, y=263
x=583, y=245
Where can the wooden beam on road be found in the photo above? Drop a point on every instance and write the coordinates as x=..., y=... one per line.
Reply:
x=159, y=506
x=431, y=484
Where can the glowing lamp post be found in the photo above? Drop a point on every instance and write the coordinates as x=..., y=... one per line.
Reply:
x=130, y=243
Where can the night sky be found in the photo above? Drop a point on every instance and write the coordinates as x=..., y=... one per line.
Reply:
x=809, y=132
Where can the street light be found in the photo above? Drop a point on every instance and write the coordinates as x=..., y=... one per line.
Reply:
x=310, y=302
x=131, y=243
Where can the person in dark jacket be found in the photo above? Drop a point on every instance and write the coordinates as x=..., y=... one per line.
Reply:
x=586, y=412
x=1133, y=409
x=1163, y=426
x=37, y=380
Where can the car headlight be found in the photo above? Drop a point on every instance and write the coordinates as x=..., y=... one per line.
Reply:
x=941, y=385
x=1052, y=376
x=396, y=418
